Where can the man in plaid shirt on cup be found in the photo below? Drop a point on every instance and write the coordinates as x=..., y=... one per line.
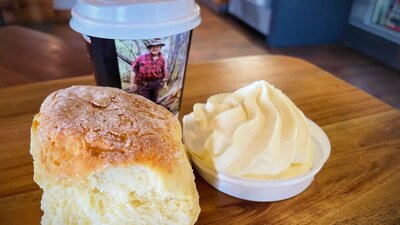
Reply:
x=149, y=71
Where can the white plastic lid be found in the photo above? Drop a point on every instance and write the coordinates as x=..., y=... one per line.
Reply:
x=134, y=19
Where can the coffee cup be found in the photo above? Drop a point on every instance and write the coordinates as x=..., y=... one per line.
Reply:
x=139, y=46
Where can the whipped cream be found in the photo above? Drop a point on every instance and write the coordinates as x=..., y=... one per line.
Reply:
x=255, y=132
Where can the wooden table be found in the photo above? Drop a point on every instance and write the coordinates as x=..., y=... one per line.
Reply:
x=359, y=184
x=29, y=56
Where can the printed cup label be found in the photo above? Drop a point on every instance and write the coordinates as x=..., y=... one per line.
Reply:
x=154, y=68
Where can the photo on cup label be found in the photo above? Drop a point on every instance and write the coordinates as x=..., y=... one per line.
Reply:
x=154, y=68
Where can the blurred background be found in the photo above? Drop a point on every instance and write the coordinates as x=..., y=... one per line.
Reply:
x=357, y=41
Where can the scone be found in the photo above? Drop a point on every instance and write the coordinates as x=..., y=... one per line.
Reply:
x=103, y=156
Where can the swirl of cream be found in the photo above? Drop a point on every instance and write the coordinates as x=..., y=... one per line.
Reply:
x=255, y=132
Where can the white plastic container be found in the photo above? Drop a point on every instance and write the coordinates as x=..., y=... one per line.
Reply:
x=270, y=190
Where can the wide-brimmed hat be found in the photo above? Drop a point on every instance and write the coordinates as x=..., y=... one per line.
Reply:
x=155, y=42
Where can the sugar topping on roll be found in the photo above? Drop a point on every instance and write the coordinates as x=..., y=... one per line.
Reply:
x=103, y=156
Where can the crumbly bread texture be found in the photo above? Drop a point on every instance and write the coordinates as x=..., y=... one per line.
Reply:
x=103, y=156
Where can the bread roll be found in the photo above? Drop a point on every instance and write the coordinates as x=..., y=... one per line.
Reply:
x=103, y=156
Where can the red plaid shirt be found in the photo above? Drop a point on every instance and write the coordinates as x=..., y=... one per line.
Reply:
x=147, y=69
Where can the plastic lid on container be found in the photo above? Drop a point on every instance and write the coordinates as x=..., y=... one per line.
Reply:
x=134, y=19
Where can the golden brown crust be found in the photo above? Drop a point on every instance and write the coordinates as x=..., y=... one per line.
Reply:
x=84, y=128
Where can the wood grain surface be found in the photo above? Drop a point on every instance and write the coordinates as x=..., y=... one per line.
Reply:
x=359, y=184
x=27, y=55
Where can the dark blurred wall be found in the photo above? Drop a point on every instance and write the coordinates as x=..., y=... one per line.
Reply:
x=306, y=22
